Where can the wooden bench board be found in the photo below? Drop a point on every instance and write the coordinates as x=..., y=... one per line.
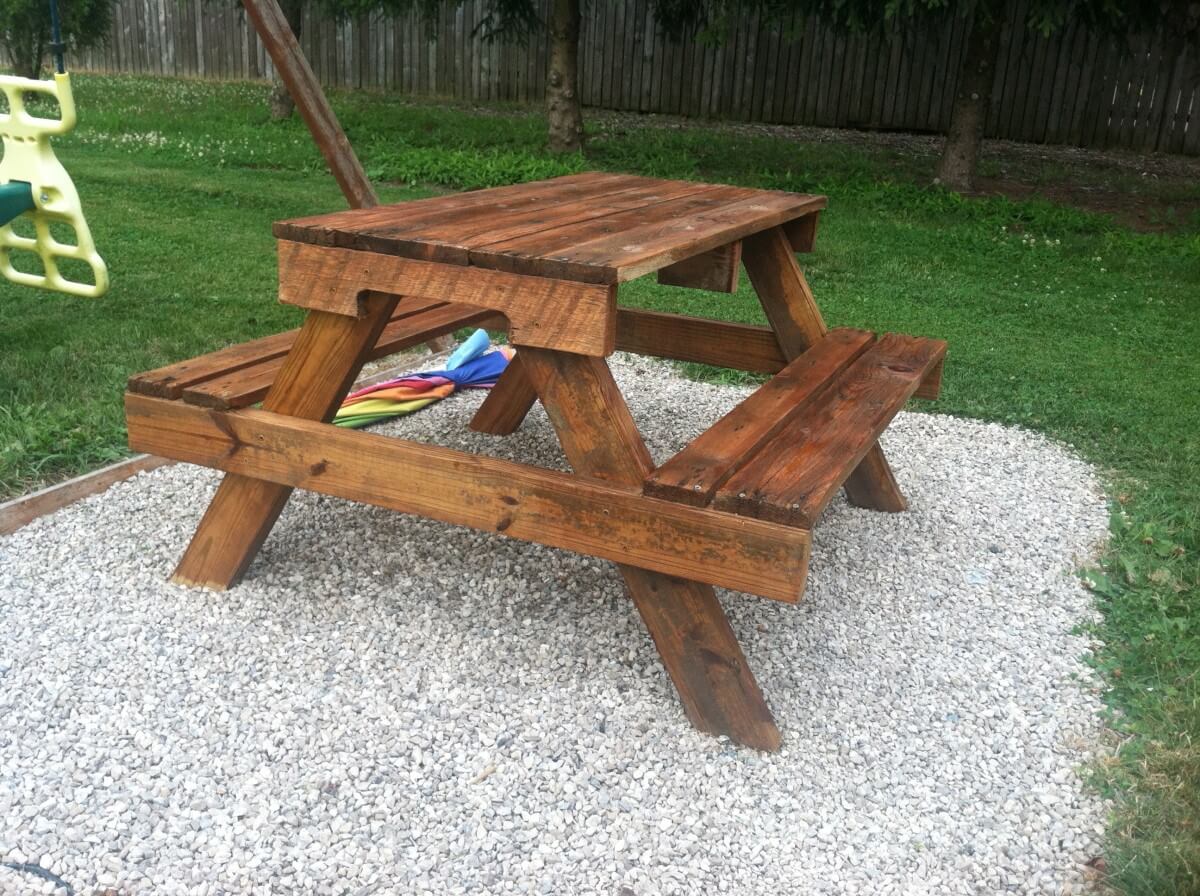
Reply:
x=171, y=380
x=694, y=474
x=796, y=473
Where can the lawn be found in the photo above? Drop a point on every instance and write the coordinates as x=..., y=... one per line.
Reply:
x=1058, y=320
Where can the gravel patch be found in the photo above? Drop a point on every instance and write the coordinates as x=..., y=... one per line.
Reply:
x=389, y=705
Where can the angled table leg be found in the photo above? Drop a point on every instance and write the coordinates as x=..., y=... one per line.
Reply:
x=507, y=403
x=685, y=619
x=797, y=322
x=320, y=368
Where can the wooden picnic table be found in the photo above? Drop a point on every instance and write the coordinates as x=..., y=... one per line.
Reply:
x=544, y=261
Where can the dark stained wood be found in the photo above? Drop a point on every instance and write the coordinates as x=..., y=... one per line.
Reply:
x=513, y=396
x=685, y=619
x=590, y=228
x=249, y=385
x=562, y=314
x=318, y=372
x=715, y=270
x=612, y=521
x=802, y=232
x=794, y=475
x=314, y=108
x=693, y=475
x=796, y=319
x=700, y=340
x=170, y=381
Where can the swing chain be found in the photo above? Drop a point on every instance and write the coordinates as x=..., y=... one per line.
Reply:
x=56, y=42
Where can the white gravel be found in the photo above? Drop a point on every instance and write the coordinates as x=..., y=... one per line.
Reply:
x=393, y=706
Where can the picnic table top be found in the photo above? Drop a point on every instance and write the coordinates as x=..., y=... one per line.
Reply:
x=594, y=227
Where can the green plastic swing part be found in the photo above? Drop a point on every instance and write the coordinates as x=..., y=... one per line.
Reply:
x=33, y=182
x=16, y=198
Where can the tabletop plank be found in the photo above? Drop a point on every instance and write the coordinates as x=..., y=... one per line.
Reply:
x=594, y=227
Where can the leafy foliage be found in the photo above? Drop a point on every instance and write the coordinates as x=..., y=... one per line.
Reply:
x=25, y=28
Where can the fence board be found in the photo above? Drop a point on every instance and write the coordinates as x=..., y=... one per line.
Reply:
x=1074, y=87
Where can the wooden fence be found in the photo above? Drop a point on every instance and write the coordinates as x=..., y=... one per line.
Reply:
x=1073, y=88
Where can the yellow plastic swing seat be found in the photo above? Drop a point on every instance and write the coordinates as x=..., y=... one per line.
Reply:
x=29, y=158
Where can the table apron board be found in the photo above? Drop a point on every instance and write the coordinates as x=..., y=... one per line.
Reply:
x=542, y=312
x=529, y=503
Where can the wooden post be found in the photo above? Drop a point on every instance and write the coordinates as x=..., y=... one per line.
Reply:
x=685, y=619
x=321, y=366
x=297, y=75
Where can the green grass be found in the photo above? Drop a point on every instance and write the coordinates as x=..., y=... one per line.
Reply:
x=1058, y=320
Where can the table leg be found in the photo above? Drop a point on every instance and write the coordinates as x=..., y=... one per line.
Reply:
x=507, y=403
x=320, y=368
x=796, y=319
x=685, y=619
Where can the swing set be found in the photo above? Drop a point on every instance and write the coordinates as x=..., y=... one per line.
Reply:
x=35, y=185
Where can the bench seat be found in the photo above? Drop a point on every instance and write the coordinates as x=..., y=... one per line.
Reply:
x=784, y=452
x=240, y=375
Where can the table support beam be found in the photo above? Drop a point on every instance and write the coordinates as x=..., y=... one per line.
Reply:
x=796, y=319
x=685, y=619
x=320, y=368
x=507, y=403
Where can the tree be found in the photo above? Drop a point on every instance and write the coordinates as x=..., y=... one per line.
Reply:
x=986, y=20
x=505, y=20
x=25, y=29
x=281, y=103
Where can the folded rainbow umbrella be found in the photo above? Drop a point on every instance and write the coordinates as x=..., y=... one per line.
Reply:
x=413, y=391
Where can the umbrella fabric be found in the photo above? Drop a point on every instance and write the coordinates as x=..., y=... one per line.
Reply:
x=413, y=391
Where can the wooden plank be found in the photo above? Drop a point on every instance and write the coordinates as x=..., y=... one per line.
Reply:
x=607, y=520
x=802, y=232
x=626, y=245
x=409, y=228
x=798, y=325
x=795, y=475
x=699, y=340
x=694, y=474
x=506, y=405
x=314, y=108
x=22, y=511
x=247, y=386
x=318, y=372
x=685, y=619
x=715, y=270
x=575, y=317
x=171, y=380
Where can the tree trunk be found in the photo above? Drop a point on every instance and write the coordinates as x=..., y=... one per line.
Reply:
x=960, y=152
x=562, y=86
x=281, y=101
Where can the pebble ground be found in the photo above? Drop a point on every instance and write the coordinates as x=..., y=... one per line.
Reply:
x=392, y=706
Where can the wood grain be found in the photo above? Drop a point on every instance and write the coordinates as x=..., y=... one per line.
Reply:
x=508, y=402
x=684, y=617
x=795, y=475
x=249, y=385
x=171, y=380
x=515, y=500
x=797, y=322
x=318, y=372
x=715, y=270
x=694, y=474
x=272, y=27
x=701, y=340
x=802, y=232
x=573, y=317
